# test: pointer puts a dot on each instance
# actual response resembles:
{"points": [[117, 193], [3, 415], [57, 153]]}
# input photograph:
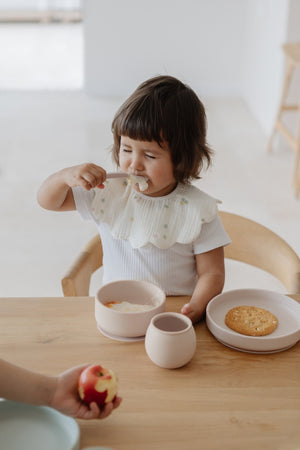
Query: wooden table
{"points": [[223, 399]]}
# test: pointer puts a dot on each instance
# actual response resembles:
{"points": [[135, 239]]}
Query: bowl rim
{"points": [[180, 316], [161, 301]]}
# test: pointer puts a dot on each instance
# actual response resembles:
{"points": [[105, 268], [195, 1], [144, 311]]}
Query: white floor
{"points": [[43, 131]]}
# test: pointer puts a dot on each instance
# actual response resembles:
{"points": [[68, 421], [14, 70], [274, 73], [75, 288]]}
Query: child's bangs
{"points": [[141, 125]]}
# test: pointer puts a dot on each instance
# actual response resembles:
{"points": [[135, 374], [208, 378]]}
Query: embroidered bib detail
{"points": [[161, 221]]}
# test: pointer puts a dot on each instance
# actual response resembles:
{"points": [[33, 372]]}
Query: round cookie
{"points": [[251, 320]]}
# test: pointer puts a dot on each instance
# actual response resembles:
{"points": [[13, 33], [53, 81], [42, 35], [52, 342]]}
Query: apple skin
{"points": [[97, 384]]}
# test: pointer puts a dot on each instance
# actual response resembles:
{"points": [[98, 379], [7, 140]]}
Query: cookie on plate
{"points": [[251, 320]]}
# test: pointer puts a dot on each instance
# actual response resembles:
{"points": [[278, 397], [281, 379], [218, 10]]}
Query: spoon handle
{"points": [[117, 175]]}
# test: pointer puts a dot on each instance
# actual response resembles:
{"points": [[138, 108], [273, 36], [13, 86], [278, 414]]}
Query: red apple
{"points": [[97, 384]]}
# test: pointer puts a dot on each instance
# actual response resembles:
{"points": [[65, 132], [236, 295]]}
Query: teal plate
{"points": [[25, 427]]}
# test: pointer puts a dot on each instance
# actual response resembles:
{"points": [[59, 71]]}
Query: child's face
{"points": [[148, 159]]}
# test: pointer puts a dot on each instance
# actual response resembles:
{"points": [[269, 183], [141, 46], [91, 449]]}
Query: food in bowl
{"points": [[128, 306]]}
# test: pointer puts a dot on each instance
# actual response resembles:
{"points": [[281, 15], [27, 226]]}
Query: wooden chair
{"points": [[292, 56], [252, 243]]}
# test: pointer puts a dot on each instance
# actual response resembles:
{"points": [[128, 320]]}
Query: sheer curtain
{"points": [[40, 5], [40, 11], [58, 4]]}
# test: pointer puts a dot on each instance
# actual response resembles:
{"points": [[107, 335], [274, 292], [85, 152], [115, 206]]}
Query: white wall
{"points": [[198, 41], [266, 30], [293, 35], [293, 32], [219, 47]]}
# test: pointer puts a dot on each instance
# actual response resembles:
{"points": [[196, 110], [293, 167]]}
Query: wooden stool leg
{"points": [[296, 181], [287, 79], [296, 177]]}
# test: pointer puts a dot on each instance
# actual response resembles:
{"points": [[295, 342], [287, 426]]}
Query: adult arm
{"points": [[59, 392]]}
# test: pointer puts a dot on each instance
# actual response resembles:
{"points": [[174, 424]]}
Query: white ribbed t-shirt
{"points": [[165, 255]]}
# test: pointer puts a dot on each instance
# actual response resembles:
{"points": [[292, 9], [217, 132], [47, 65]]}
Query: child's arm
{"points": [[19, 384], [56, 191], [211, 272]]}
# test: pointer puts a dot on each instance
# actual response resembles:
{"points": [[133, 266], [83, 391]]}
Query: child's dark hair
{"points": [[165, 109]]}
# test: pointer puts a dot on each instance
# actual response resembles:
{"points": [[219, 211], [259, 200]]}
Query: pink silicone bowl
{"points": [[128, 324]]}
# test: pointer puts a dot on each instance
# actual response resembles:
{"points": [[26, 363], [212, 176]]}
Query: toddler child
{"points": [[166, 230]]}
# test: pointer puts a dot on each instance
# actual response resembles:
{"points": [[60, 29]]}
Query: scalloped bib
{"points": [[161, 221]]}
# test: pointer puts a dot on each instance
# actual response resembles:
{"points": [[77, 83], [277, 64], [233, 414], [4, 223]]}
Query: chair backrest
{"points": [[76, 282], [252, 243]]}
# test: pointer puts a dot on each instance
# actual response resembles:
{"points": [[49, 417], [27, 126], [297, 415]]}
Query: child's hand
{"points": [[192, 311], [65, 397], [86, 175], [56, 194]]}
